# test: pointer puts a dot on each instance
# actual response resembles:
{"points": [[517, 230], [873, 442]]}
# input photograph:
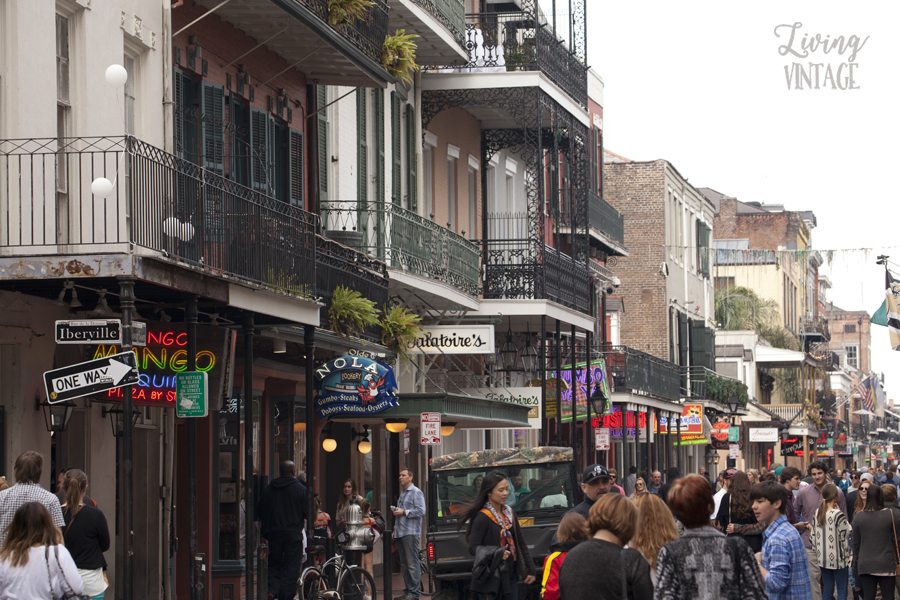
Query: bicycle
{"points": [[336, 580]]}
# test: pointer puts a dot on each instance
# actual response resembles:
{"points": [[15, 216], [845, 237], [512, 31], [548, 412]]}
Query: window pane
{"points": [[62, 58]]}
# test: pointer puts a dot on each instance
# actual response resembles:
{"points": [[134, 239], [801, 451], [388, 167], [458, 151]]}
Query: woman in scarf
{"points": [[492, 523]]}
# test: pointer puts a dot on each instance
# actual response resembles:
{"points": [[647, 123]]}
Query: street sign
{"points": [[431, 429], [734, 450], [84, 379], [601, 438], [734, 434], [191, 393], [98, 331]]}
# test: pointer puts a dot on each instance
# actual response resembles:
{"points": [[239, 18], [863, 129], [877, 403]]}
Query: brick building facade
{"points": [[851, 336]]}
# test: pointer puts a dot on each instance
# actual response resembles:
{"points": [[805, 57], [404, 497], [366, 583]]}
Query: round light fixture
{"points": [[116, 76], [101, 187], [364, 446], [329, 444], [395, 425], [447, 429], [298, 427]]}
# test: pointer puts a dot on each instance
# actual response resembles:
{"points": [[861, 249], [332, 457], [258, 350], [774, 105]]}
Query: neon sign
{"points": [[580, 389]]}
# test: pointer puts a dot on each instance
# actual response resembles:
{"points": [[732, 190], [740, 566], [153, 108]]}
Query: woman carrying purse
{"points": [[86, 535], [875, 547], [830, 540]]}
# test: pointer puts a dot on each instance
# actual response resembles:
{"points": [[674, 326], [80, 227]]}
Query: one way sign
{"points": [[90, 377]]}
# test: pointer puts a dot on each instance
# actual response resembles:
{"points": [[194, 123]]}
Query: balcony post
{"points": [[589, 442], [558, 390], [678, 453], [545, 425], [190, 318], [574, 426], [126, 291], [250, 495]]}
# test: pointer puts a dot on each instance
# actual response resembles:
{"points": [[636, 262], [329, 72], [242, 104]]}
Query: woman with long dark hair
{"points": [[348, 493], [34, 563], [86, 535], [490, 522], [735, 514], [874, 548], [830, 540]]}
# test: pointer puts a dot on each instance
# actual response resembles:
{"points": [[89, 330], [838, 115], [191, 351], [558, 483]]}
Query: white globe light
{"points": [[116, 76], [187, 232], [101, 187], [364, 447], [329, 444], [171, 227]]}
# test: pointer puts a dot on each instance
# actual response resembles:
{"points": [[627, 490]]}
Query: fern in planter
{"points": [[398, 55], [399, 329], [341, 12], [350, 313]]}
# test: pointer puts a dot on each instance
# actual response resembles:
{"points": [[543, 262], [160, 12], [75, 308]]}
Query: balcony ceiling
{"points": [[436, 44], [319, 51]]}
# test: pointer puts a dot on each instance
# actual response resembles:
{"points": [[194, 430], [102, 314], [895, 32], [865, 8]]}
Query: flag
{"points": [[892, 292], [867, 396], [879, 393], [880, 315]]}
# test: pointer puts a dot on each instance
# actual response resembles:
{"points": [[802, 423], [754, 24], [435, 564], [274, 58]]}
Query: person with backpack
{"points": [[86, 535], [572, 531]]}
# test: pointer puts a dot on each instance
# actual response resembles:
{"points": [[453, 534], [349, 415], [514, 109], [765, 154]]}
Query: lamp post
{"points": [[117, 419], [509, 354], [56, 416], [733, 406]]}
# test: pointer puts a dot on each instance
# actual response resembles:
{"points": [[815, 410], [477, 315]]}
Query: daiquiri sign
{"points": [[454, 339], [355, 384]]}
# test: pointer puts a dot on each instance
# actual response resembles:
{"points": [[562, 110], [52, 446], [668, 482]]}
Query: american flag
{"points": [[867, 397]]}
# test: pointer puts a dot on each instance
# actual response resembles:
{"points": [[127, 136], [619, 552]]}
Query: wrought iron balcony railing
{"points": [[405, 240], [517, 41], [157, 202], [701, 382], [337, 265], [815, 328], [366, 34], [605, 219], [518, 265], [640, 373], [450, 14]]}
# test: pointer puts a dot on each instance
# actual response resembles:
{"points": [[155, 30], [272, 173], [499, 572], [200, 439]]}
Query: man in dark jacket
{"points": [[671, 475], [282, 512], [595, 482]]}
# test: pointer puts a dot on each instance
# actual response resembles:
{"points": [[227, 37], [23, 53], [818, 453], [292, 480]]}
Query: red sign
{"points": [[431, 429]]}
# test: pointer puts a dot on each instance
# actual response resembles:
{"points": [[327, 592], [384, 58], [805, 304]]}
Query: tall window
{"points": [[129, 63], [472, 188], [428, 169], [852, 351], [63, 114], [451, 192]]}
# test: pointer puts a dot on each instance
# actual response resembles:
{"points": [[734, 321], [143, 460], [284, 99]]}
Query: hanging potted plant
{"points": [[400, 328], [341, 12], [398, 55], [350, 313]]}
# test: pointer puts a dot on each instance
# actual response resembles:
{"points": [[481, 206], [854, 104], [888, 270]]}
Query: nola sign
{"points": [[355, 385], [454, 339]]}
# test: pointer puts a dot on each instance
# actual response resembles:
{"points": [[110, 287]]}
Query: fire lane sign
{"points": [[431, 429], [84, 379]]}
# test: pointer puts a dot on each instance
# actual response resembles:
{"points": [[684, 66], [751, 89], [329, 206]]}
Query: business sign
{"points": [[792, 446], [430, 425], [601, 438], [692, 419], [164, 356], [621, 424], [763, 434], [454, 339], [355, 384], [105, 331], [734, 434], [526, 396], [578, 392], [694, 440], [91, 377], [191, 389], [734, 451]]}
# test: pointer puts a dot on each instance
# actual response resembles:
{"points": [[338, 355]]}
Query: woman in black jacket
{"points": [[86, 535], [491, 523]]}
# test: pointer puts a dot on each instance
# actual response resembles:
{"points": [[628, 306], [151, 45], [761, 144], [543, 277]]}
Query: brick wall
{"points": [[766, 231], [858, 334], [637, 190], [457, 127]]}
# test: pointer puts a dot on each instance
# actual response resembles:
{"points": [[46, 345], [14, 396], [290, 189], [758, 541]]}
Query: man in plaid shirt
{"points": [[28, 469], [783, 561]]}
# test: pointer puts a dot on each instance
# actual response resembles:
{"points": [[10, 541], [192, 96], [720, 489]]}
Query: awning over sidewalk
{"points": [[466, 411], [777, 357]]}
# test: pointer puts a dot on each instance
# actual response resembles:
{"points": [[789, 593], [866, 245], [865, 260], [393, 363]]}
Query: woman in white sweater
{"points": [[34, 564], [830, 541]]}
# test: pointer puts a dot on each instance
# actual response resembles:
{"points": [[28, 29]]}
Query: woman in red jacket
{"points": [[572, 531]]}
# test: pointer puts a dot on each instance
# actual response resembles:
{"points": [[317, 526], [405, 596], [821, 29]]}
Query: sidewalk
{"points": [[396, 589]]}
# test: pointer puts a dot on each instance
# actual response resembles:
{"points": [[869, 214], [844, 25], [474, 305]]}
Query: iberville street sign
{"points": [[84, 379]]}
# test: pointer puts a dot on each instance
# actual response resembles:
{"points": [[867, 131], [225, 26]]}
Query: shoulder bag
{"points": [[70, 595], [896, 546]]}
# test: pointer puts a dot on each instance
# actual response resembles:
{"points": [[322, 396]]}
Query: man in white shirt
{"points": [[28, 469], [726, 483]]}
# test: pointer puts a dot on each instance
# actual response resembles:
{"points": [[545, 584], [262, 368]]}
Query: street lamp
{"points": [[364, 446], [117, 419], [509, 354], [530, 358], [447, 428], [599, 401], [56, 416], [329, 444], [733, 404], [395, 425]]}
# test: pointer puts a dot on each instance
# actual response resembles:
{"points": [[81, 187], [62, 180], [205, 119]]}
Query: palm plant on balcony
{"points": [[398, 55], [400, 328], [341, 12], [350, 313]]}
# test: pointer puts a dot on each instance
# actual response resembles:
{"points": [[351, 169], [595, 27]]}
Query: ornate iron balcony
{"points": [[450, 14], [604, 218], [701, 382], [157, 201], [815, 328], [366, 34], [516, 41], [640, 373], [405, 240]]}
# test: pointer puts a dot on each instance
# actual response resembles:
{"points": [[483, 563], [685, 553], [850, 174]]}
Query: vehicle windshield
{"points": [[535, 490]]}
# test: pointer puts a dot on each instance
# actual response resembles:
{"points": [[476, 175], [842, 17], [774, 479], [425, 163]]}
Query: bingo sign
{"points": [[431, 429], [355, 385]]}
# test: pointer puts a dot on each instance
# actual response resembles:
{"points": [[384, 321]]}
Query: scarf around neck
{"points": [[505, 524]]}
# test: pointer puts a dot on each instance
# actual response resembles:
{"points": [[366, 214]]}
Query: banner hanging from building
{"points": [[578, 393], [355, 385], [454, 339]]}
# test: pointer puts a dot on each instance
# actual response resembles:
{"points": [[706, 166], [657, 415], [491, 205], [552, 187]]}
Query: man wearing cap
{"points": [[726, 483], [594, 483]]}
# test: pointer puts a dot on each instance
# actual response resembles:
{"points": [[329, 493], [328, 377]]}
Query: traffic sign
{"points": [[734, 450], [431, 429], [84, 379], [97, 331], [601, 438], [734, 434], [191, 393]]}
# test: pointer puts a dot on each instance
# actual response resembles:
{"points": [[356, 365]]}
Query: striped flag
{"points": [[867, 395], [892, 291]]}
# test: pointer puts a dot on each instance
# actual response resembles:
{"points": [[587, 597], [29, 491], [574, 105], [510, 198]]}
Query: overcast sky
{"points": [[703, 85]]}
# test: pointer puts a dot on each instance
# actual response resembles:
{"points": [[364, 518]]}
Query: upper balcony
{"points": [[606, 225], [640, 373], [702, 383], [409, 244], [159, 206], [815, 329], [502, 42], [440, 25]]}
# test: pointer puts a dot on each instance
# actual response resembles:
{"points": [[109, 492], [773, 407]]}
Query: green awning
{"points": [[465, 411]]}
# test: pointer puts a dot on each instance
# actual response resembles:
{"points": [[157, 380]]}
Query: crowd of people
{"points": [[746, 535]]}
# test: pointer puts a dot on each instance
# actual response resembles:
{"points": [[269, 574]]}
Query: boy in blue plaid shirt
{"points": [[782, 562]]}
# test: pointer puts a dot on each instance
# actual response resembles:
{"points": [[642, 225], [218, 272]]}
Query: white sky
{"points": [[702, 84]]}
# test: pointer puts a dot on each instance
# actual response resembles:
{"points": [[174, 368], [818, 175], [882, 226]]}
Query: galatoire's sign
{"points": [[355, 385], [91, 377], [454, 339]]}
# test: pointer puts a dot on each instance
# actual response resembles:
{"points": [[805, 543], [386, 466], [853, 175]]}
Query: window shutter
{"points": [[362, 157], [296, 168], [212, 129], [179, 113], [411, 158], [397, 176], [704, 231], [239, 141], [322, 142], [259, 148], [683, 340], [379, 143], [185, 119]]}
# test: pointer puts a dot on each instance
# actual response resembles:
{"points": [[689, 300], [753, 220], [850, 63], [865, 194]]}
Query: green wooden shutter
{"points": [[683, 340], [411, 157], [703, 232], [259, 150], [362, 153], [701, 351], [212, 128], [185, 120], [178, 80], [240, 148], [322, 141], [295, 141], [379, 173], [279, 147], [396, 174]]}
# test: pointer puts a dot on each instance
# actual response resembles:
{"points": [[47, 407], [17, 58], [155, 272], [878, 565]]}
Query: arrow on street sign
{"points": [[84, 379]]}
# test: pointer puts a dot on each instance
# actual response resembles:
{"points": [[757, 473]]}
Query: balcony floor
{"points": [[435, 44]]}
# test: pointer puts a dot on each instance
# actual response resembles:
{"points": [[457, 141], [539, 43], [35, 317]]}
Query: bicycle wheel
{"points": [[331, 570], [356, 583], [310, 584]]}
